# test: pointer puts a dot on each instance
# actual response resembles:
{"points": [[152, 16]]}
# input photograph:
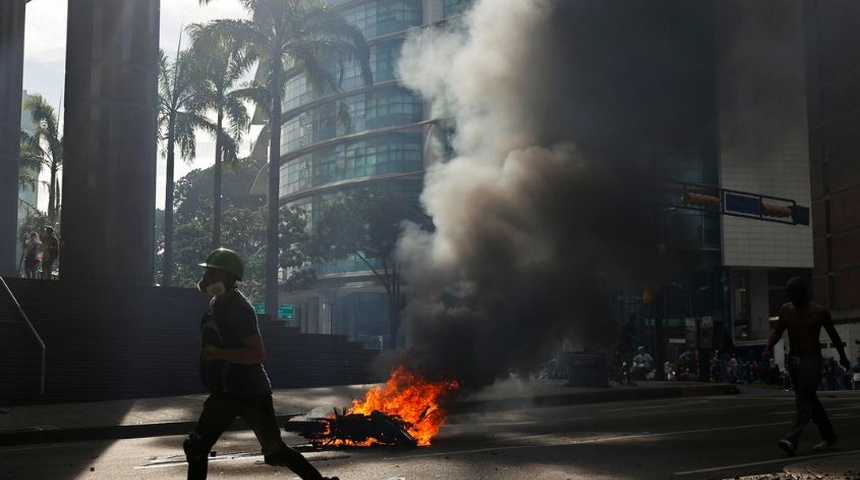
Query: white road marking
{"points": [[590, 440], [714, 408], [175, 460]]}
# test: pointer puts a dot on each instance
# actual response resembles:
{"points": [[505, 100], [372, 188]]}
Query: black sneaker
{"points": [[787, 446]]}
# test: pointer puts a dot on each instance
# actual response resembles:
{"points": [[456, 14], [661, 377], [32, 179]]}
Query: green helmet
{"points": [[227, 260]]}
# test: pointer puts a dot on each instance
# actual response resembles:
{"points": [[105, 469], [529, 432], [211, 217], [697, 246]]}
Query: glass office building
{"points": [[384, 144]]}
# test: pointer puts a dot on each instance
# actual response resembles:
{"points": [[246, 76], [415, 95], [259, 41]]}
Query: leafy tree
{"points": [[46, 144], [221, 64], [366, 224], [287, 38], [244, 229], [178, 116]]}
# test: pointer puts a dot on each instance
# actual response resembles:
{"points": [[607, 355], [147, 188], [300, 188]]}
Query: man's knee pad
{"points": [[196, 450]]}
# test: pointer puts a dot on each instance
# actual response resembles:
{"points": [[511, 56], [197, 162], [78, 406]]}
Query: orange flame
{"points": [[414, 400]]}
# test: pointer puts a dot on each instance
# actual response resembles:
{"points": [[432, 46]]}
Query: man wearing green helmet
{"points": [[231, 366]]}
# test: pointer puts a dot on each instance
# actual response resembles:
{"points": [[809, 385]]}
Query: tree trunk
{"points": [[272, 244], [52, 196], [394, 306], [167, 257], [218, 173]]}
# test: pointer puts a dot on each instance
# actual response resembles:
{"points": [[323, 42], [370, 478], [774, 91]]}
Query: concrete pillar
{"points": [[11, 78], [759, 304], [108, 219]]}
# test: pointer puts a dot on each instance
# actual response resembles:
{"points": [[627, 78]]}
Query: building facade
{"points": [[762, 138], [746, 65], [385, 144], [787, 90], [833, 94]]}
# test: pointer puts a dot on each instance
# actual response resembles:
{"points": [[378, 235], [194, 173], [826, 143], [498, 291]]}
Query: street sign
{"points": [[259, 307], [739, 203], [286, 312]]}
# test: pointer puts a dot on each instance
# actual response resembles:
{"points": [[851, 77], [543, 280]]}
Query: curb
{"points": [[51, 434], [596, 396]]}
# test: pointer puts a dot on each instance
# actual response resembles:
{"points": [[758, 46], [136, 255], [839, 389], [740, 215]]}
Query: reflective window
{"points": [[382, 17], [383, 66], [390, 153], [371, 110], [454, 7]]}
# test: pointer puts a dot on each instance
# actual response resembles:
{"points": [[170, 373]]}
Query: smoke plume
{"points": [[561, 112]]}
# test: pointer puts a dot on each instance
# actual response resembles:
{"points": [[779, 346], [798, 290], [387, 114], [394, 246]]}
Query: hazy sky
{"points": [[45, 53]]}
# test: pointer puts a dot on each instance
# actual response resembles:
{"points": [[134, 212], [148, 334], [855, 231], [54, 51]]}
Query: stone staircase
{"points": [[107, 342]]}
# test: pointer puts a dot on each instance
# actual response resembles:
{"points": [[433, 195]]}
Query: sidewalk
{"points": [[837, 466], [176, 415], [164, 416]]}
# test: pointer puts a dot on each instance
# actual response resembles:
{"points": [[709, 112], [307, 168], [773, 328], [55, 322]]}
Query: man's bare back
{"points": [[804, 319], [804, 327]]}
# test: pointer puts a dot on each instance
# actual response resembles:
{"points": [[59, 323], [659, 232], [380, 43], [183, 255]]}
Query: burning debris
{"points": [[354, 429], [404, 412]]}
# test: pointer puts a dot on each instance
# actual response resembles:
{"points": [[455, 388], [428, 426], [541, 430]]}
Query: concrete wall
{"points": [[109, 341]]}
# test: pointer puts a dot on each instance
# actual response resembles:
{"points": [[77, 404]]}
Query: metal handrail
{"points": [[32, 329]]}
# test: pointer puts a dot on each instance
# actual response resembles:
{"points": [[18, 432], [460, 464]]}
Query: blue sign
{"points": [[743, 204], [259, 307]]}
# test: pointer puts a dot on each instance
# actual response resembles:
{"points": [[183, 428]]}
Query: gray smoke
{"points": [[563, 112]]}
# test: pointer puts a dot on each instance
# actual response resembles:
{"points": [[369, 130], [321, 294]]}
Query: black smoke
{"points": [[569, 117]]}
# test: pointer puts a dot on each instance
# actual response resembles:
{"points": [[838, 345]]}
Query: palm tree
{"points": [[30, 165], [46, 144], [221, 65], [289, 38], [178, 116], [30, 161]]}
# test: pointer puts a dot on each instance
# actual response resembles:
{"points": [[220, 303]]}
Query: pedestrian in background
{"points": [[231, 366], [33, 252], [804, 319], [52, 251], [855, 377]]}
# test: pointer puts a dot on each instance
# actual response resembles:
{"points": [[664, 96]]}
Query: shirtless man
{"points": [[803, 319]]}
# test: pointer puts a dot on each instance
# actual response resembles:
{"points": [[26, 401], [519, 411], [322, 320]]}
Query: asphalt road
{"points": [[718, 437]]}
